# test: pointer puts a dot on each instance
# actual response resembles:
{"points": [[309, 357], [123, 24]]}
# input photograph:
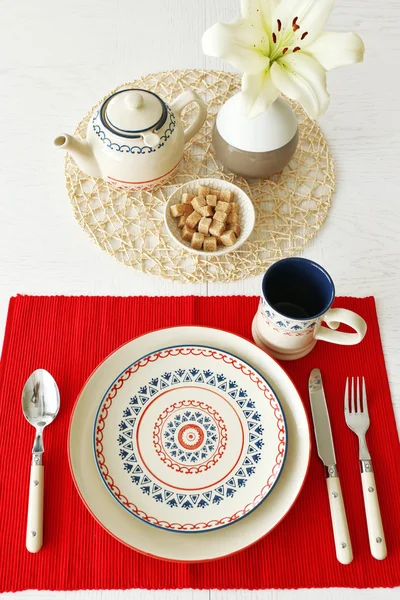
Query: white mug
{"points": [[296, 299]]}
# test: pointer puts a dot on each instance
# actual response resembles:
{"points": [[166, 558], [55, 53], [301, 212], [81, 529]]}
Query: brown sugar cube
{"points": [[226, 195], [216, 228], [212, 200], [236, 229], [177, 210], [193, 219], [228, 238], [204, 191], [223, 207], [233, 219], [210, 244], [187, 209], [198, 202], [181, 222], [234, 207], [204, 225], [206, 211], [187, 198], [187, 233], [197, 240], [220, 216]]}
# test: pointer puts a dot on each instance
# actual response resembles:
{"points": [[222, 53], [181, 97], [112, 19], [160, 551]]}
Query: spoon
{"points": [[40, 405]]}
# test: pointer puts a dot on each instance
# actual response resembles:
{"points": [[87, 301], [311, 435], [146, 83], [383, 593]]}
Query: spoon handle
{"points": [[34, 528]]}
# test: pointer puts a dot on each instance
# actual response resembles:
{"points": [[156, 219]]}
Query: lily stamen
{"points": [[279, 24], [304, 35], [296, 49], [274, 37]]}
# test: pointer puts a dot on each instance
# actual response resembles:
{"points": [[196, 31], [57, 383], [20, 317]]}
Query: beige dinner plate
{"points": [[159, 542]]}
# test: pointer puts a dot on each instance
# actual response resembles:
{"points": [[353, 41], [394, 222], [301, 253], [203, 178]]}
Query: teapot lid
{"points": [[132, 111]]}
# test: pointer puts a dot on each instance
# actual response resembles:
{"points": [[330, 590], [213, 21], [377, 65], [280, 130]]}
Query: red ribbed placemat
{"points": [[69, 336]]}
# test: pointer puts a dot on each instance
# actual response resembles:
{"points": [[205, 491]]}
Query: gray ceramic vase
{"points": [[259, 147]]}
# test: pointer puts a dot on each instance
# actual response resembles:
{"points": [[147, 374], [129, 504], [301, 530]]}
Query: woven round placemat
{"points": [[290, 208]]}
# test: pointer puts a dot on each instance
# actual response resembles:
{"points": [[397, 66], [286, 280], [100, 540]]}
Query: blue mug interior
{"points": [[298, 288]]}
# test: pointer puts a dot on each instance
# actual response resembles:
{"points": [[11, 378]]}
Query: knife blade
{"points": [[326, 452]]}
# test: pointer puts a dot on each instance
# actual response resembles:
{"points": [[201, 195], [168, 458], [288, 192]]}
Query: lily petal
{"points": [[260, 9], [302, 78], [241, 43], [312, 16], [334, 50], [258, 93]]}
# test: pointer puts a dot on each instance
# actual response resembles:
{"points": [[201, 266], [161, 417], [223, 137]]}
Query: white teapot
{"points": [[135, 140]]}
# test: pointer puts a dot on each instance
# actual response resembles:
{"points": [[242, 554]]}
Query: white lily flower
{"points": [[281, 48]]}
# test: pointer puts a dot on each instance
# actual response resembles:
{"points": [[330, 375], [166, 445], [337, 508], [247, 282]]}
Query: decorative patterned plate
{"points": [[189, 438], [156, 541]]}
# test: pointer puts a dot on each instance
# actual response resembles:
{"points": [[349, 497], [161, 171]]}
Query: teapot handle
{"points": [[179, 104]]}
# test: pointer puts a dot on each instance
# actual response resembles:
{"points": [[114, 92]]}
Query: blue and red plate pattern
{"points": [[190, 439]]}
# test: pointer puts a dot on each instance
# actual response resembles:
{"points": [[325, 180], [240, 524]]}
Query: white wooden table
{"points": [[58, 58]]}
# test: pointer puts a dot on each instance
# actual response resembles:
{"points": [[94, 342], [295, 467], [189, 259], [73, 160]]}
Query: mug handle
{"points": [[179, 104], [333, 318]]}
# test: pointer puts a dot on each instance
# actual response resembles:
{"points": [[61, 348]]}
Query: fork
{"points": [[357, 419]]}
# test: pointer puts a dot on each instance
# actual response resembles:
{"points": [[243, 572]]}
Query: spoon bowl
{"points": [[40, 399]]}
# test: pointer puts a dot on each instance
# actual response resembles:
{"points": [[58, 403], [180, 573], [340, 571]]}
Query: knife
{"points": [[326, 452]]}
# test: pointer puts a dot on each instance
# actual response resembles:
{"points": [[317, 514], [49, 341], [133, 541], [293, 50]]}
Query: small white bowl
{"points": [[246, 213]]}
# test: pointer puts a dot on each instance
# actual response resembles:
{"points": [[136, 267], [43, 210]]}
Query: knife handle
{"points": [[34, 527], [376, 535], [344, 552]]}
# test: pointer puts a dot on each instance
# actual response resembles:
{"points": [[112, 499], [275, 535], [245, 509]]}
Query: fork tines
{"points": [[357, 403]]}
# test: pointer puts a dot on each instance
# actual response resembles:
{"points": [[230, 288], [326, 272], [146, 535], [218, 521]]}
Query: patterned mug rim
{"points": [[298, 259]]}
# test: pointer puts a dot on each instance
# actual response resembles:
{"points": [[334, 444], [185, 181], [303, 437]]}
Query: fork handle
{"points": [[344, 551], [376, 535]]}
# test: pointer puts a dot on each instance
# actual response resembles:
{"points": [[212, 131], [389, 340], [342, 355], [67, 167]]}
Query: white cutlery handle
{"points": [[34, 527], [344, 552], [376, 536]]}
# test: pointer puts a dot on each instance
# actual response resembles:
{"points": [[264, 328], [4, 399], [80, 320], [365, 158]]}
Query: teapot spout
{"points": [[81, 152]]}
